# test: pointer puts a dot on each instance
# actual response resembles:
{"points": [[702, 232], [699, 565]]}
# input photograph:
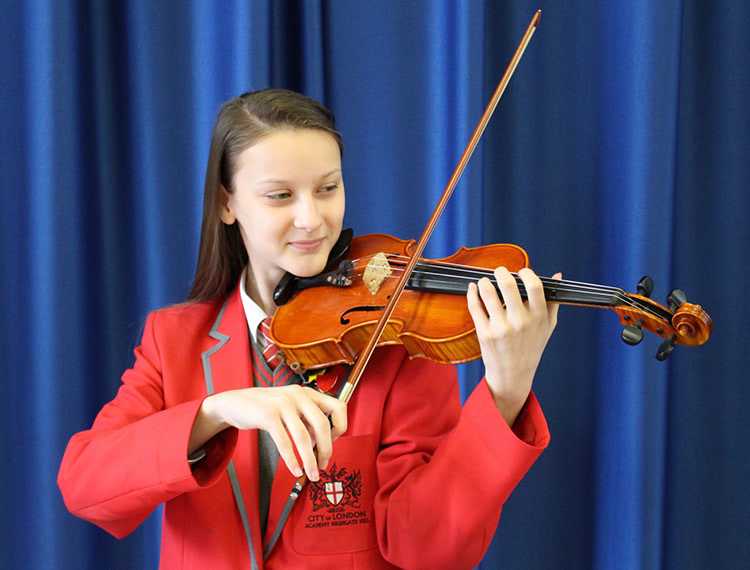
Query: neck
{"points": [[261, 296], [446, 278]]}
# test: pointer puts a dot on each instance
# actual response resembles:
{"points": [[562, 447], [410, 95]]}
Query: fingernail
{"points": [[314, 475], [297, 472]]}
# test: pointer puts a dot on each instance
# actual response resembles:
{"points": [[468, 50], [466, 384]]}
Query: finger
{"points": [[476, 308], [335, 409], [303, 442], [553, 308], [319, 430], [491, 298], [321, 413], [508, 286], [286, 449], [534, 291]]}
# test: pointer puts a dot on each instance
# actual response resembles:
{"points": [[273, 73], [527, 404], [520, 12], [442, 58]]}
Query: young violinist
{"points": [[402, 476]]}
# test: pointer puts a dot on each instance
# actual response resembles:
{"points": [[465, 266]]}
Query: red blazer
{"points": [[416, 482]]}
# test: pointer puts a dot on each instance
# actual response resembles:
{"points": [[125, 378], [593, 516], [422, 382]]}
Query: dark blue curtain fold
{"points": [[620, 149]]}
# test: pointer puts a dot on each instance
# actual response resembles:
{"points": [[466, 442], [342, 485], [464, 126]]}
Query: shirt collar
{"points": [[253, 313]]}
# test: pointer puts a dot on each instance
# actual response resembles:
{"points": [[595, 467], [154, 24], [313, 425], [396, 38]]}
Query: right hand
{"points": [[294, 416]]}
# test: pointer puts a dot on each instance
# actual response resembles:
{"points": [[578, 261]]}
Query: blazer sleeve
{"points": [[446, 471], [134, 457]]}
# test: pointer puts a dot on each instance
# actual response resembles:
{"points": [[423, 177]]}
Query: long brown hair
{"points": [[241, 123]]}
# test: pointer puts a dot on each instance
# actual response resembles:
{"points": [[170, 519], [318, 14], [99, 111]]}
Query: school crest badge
{"points": [[336, 488]]}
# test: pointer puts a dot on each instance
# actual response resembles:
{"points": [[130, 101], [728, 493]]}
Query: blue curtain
{"points": [[621, 148]]}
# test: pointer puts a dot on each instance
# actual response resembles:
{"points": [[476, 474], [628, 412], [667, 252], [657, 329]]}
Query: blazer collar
{"points": [[226, 361]]}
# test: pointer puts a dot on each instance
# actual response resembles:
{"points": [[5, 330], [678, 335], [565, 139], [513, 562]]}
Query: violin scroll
{"points": [[692, 325], [679, 323]]}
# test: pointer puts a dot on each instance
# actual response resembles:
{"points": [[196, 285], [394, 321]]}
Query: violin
{"points": [[327, 319]]}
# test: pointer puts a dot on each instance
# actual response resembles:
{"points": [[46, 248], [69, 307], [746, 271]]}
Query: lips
{"points": [[307, 245]]}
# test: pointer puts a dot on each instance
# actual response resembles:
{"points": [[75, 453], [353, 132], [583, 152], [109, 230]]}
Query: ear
{"points": [[227, 212]]}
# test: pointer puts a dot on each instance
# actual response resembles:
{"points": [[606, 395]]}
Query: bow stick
{"points": [[364, 357]]}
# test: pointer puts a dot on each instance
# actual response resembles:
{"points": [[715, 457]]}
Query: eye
{"points": [[328, 188], [279, 195]]}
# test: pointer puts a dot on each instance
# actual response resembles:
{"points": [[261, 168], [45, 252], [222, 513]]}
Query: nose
{"points": [[307, 215]]}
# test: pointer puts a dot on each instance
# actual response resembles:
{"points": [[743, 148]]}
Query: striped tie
{"points": [[271, 351]]}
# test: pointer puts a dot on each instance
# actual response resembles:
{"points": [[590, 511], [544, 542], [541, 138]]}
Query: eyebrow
{"points": [[282, 181]]}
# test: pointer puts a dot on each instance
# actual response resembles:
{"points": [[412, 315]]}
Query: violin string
{"points": [[478, 273], [602, 293]]}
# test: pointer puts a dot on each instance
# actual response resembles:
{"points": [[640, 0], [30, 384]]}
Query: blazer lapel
{"points": [[227, 366], [226, 360], [283, 484]]}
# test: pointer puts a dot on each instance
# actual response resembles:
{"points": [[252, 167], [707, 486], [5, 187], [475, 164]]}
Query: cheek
{"points": [[336, 212], [257, 231]]}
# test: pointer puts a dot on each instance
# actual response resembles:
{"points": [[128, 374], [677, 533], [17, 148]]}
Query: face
{"points": [[289, 204]]}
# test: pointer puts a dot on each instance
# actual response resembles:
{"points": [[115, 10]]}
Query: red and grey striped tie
{"points": [[271, 351]]}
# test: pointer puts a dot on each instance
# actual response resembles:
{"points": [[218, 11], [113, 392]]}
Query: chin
{"points": [[308, 269]]}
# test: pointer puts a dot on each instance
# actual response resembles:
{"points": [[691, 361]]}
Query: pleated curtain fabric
{"points": [[620, 149]]}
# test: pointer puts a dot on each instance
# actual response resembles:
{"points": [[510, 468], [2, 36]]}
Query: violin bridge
{"points": [[377, 271]]}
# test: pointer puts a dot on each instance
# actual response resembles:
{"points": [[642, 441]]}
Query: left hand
{"points": [[512, 335]]}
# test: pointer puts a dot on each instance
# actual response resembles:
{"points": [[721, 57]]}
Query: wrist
{"points": [[207, 424], [509, 405]]}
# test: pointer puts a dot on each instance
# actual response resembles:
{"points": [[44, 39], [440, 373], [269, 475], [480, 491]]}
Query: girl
{"points": [[403, 476]]}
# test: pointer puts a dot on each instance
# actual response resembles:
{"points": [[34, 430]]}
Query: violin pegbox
{"points": [[633, 334], [679, 323]]}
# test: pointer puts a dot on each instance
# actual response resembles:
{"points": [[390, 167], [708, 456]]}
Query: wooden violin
{"points": [[327, 319]]}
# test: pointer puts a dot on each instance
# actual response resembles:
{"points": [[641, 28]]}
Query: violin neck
{"points": [[439, 278]]}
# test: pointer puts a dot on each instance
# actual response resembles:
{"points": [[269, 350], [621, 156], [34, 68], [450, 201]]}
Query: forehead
{"points": [[288, 149]]}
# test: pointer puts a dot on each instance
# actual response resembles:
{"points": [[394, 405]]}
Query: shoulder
{"points": [[184, 320], [189, 313]]}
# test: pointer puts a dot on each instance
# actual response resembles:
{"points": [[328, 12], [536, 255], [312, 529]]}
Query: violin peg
{"points": [[633, 334], [645, 286], [676, 298], [666, 348]]}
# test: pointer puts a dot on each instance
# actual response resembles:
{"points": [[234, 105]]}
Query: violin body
{"points": [[323, 326], [331, 321]]}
